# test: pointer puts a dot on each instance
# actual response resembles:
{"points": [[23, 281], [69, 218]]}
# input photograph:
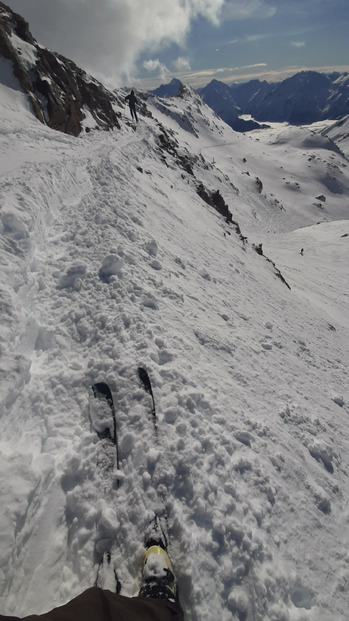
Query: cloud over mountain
{"points": [[107, 38]]}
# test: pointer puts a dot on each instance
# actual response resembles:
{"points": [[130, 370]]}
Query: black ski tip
{"points": [[102, 389], [145, 379]]}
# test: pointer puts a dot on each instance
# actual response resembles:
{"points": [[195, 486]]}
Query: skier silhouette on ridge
{"points": [[132, 101]]}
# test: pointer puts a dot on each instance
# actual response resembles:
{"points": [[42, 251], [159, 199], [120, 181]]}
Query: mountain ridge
{"points": [[57, 89], [148, 245], [302, 99]]}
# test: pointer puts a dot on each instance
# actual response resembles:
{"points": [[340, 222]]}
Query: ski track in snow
{"points": [[110, 261]]}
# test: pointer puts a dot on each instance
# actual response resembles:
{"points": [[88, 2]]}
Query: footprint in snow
{"points": [[266, 346], [156, 265]]}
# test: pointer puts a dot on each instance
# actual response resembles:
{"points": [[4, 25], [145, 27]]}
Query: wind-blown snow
{"points": [[110, 261]]}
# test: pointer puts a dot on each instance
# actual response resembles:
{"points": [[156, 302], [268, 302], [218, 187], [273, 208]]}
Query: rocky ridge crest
{"points": [[61, 94]]}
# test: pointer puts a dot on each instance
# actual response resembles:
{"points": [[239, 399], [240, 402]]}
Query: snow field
{"points": [[112, 261]]}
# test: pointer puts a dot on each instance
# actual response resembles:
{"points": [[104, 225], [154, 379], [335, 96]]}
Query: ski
{"points": [[157, 531], [146, 383], [107, 577], [103, 421]]}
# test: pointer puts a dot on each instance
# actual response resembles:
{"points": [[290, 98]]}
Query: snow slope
{"points": [[339, 132], [110, 261]]}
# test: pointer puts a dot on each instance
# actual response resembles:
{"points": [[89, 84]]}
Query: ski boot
{"points": [[158, 577]]}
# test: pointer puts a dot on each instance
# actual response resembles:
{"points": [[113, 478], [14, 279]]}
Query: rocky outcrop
{"points": [[61, 94]]}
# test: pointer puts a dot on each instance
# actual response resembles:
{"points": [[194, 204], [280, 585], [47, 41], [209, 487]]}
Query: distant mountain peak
{"points": [[303, 98], [173, 89]]}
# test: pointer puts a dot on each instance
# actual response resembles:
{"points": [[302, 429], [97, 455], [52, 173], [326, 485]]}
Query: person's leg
{"points": [[98, 605], [134, 113]]}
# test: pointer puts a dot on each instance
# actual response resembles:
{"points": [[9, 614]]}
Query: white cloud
{"points": [[245, 9], [298, 43], [256, 37], [156, 67], [107, 37], [181, 64], [232, 41], [247, 39]]}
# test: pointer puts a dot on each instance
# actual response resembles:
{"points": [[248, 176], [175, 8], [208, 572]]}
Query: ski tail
{"points": [[107, 577]]}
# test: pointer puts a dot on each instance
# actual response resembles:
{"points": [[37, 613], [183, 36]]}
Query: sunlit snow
{"points": [[110, 260]]}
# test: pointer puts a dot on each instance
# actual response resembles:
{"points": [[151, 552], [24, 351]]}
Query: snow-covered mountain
{"points": [[305, 98], [230, 103], [175, 245], [250, 94], [219, 97], [60, 94], [339, 133], [169, 90]]}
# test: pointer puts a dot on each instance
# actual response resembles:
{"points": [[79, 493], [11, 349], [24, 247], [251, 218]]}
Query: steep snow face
{"points": [[25, 50], [220, 97], [339, 133], [111, 261]]}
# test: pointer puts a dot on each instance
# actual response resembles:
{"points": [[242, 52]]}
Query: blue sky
{"points": [[147, 42], [291, 36]]}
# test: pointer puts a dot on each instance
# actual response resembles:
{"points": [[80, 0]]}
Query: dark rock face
{"points": [[299, 100], [216, 200], [220, 98], [169, 90], [58, 90]]}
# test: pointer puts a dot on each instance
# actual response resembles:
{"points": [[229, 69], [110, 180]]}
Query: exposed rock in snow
{"points": [[57, 89], [112, 260]]}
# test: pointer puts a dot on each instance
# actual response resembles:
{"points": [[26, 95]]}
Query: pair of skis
{"points": [[104, 422], [102, 411]]}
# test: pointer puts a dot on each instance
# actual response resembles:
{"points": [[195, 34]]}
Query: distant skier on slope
{"points": [[157, 599], [132, 101]]}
